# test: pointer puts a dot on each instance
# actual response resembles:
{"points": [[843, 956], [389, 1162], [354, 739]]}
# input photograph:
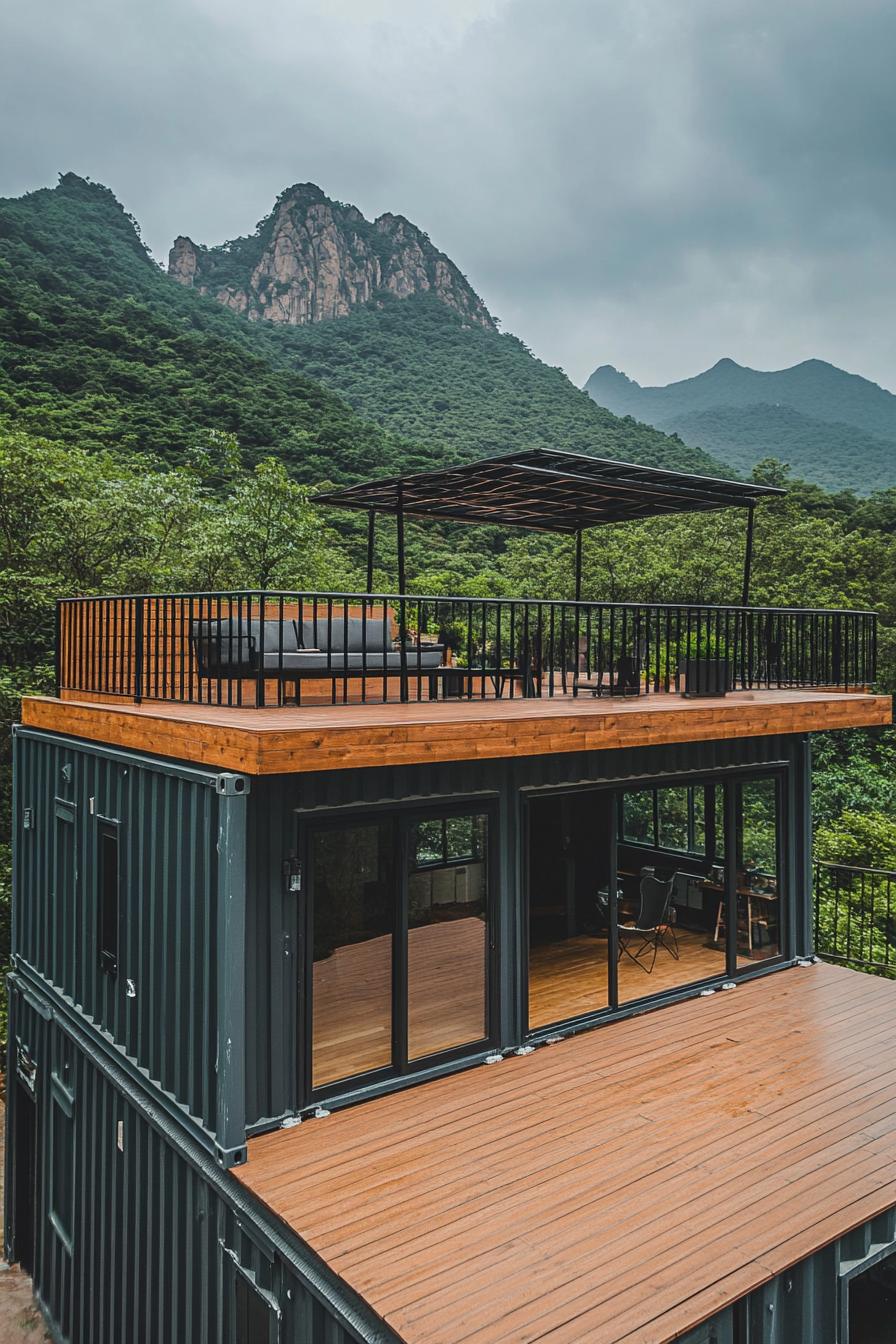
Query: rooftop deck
{"points": [[292, 739], [618, 1187]]}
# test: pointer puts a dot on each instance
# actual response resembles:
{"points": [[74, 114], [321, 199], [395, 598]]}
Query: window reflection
{"points": [[675, 812], [447, 934], [353, 876], [759, 895], [569, 905]]}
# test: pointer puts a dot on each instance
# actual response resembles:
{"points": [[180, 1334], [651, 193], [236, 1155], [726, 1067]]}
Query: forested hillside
{"points": [[99, 348], [374, 311], [416, 367], [835, 455], [834, 428]]}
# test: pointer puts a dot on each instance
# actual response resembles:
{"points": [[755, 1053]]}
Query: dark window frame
{"points": [[244, 1279], [108, 829], [729, 777], [61, 1202], [711, 828], [243, 1285], [446, 859], [404, 817]]}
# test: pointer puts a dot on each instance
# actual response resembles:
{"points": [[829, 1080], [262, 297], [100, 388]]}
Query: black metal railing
{"points": [[855, 916], [255, 648]]}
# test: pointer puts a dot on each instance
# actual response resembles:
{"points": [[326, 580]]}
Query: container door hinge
{"points": [[292, 874]]}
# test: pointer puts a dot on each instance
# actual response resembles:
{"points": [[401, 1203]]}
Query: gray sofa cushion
{"points": [[339, 661], [231, 646], [341, 633], [279, 634], [223, 644], [233, 641]]}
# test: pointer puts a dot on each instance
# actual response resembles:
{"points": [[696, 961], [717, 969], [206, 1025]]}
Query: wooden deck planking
{"points": [[288, 740], [620, 1186]]}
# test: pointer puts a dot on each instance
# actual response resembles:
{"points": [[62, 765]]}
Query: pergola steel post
{"points": [[402, 615], [748, 556], [741, 627], [579, 565], [371, 542]]}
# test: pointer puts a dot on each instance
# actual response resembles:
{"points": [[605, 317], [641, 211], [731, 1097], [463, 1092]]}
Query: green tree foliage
{"points": [[804, 555], [98, 348], [416, 367], [75, 522], [855, 915]]}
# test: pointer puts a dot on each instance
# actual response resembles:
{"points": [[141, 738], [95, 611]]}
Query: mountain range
{"points": [[100, 348], [350, 348], [834, 428], [377, 313]]}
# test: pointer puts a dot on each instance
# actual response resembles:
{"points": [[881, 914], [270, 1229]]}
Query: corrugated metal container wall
{"points": [[810, 1303], [278, 802], [139, 1238], [159, 1004]]}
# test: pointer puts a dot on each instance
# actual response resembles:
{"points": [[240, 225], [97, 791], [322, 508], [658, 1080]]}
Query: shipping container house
{"points": [[430, 969]]}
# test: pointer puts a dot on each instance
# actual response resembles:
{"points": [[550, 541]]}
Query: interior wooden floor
{"points": [[352, 1019], [569, 979], [617, 1188], [338, 737]]}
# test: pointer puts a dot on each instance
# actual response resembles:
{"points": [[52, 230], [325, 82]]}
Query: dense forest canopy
{"points": [[833, 454], [416, 367], [833, 427]]}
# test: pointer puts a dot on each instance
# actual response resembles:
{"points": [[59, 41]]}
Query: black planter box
{"points": [[705, 676]]}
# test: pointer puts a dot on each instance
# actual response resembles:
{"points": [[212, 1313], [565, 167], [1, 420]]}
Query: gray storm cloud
{"points": [[652, 185]]}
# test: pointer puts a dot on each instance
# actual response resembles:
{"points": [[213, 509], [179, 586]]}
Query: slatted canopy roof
{"points": [[547, 489]]}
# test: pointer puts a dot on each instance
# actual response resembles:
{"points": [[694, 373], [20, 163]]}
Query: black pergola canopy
{"points": [[546, 489]]}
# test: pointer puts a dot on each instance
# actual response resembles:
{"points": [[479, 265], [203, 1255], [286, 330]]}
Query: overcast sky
{"points": [[648, 183]]}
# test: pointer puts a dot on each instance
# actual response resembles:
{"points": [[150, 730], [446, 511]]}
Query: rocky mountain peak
{"points": [[314, 258]]}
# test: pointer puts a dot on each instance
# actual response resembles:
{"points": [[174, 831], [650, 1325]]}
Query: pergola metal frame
{"points": [[546, 490]]}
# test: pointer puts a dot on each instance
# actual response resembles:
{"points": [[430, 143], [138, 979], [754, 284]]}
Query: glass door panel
{"points": [[759, 894], [447, 950], [353, 887], [672, 887], [568, 900]]}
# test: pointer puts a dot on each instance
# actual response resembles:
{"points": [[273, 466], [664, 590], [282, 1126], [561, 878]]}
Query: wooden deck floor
{"points": [[338, 737], [618, 1187]]}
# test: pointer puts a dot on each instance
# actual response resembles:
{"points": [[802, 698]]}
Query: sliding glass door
{"points": [[447, 940], [398, 946], [353, 875], [642, 891], [570, 857]]}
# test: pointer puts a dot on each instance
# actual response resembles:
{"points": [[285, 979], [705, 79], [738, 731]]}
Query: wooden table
{"points": [[748, 895], [457, 682]]}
